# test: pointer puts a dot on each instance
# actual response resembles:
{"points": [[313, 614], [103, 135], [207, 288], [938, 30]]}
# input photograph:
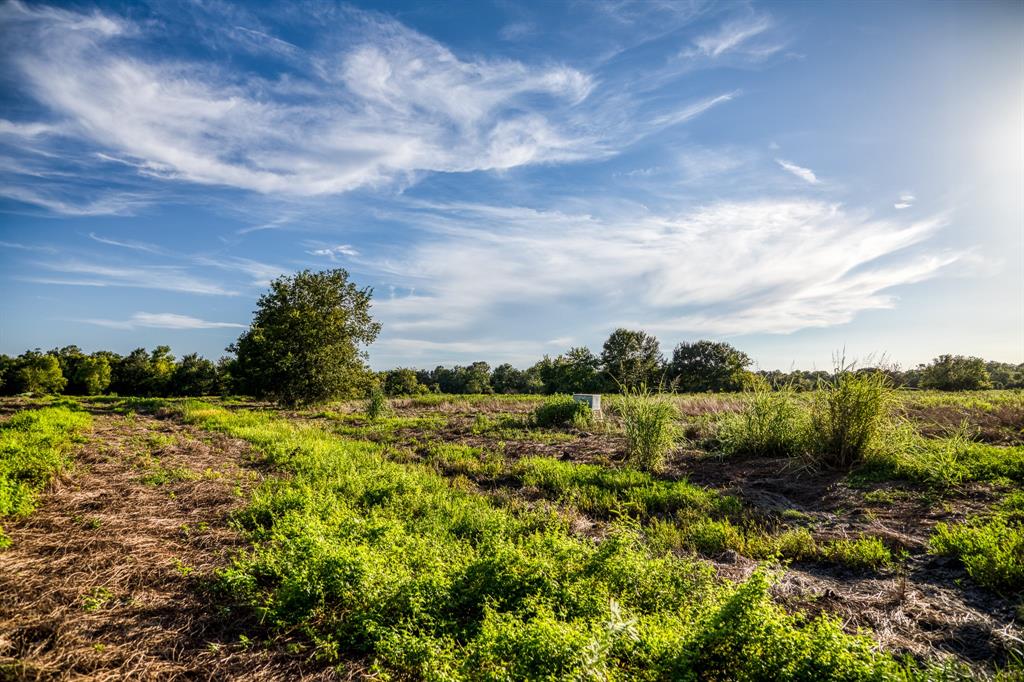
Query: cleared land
{"points": [[452, 538]]}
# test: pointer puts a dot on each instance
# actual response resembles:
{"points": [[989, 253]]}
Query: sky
{"points": [[513, 179]]}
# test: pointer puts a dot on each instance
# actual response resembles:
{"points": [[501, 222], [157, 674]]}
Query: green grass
{"points": [[848, 416], [864, 553], [991, 549], [942, 462], [649, 420], [34, 446], [562, 410], [773, 423], [390, 563]]}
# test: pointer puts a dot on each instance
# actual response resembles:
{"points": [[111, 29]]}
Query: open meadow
{"points": [[510, 537]]}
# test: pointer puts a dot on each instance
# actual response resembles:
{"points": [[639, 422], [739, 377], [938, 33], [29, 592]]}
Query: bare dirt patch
{"points": [[109, 578]]}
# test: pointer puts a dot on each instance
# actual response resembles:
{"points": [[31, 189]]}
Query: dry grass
{"points": [[107, 579]]}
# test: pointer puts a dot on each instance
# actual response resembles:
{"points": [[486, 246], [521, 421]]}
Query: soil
{"points": [[108, 578]]}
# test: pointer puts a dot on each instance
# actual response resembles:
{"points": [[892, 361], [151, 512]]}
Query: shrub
{"points": [[650, 423], [955, 373], [992, 551], [847, 415], [377, 405], [562, 410], [771, 424]]}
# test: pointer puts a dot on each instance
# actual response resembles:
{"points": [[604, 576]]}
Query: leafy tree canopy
{"points": [[304, 345], [707, 366]]}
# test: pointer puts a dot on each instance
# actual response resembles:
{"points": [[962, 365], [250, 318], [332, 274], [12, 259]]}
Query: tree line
{"points": [[307, 344]]}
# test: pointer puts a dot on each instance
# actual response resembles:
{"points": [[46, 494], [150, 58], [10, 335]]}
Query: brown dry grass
{"points": [[107, 579]]}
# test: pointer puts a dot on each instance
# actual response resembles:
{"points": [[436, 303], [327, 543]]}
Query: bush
{"points": [[992, 551], [377, 405], [848, 414], [955, 373], [562, 410], [650, 423], [771, 424]]}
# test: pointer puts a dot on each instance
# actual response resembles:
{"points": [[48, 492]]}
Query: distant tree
{"points": [[7, 365], [707, 366], [37, 372], [477, 378], [226, 383], [193, 376], [576, 371], [507, 379], [1005, 374], [631, 358], [161, 363], [92, 375], [304, 343], [402, 381], [955, 373], [133, 374]]}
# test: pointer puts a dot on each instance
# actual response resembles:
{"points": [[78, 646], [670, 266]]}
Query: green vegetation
{"points": [[562, 410], [942, 463], [863, 553], [304, 343], [991, 549], [371, 558], [848, 415], [708, 366], [377, 405], [772, 423], [955, 373], [34, 447], [649, 420]]}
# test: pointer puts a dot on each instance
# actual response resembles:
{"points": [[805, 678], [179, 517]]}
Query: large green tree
{"points": [[707, 366], [631, 359], [37, 372], [955, 373], [304, 344]]}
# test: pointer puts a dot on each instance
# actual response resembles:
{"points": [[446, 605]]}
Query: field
{"points": [[452, 537]]}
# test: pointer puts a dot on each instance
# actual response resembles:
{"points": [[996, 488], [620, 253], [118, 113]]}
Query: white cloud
{"points": [[805, 174], [334, 252], [732, 267], [133, 245], [735, 35], [162, 321], [376, 103], [906, 200], [161, 277]]}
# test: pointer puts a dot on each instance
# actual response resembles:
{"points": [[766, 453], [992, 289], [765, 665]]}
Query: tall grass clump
{"points": [[649, 420], [562, 410], [391, 565], [848, 414], [772, 423], [34, 447], [377, 405]]}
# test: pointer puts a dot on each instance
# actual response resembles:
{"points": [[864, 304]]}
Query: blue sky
{"points": [[514, 178]]}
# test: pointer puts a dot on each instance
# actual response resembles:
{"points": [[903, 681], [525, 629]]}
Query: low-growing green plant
{"points": [[772, 423], [34, 447], [649, 420], [391, 563], [848, 414], [864, 553], [562, 410], [991, 549]]}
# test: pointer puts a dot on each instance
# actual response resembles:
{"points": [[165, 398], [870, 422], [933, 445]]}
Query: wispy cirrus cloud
{"points": [[805, 174], [769, 266], [375, 103], [334, 252], [125, 244], [161, 277], [162, 321]]}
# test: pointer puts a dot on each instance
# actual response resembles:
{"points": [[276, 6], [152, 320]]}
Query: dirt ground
{"points": [[106, 579]]}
